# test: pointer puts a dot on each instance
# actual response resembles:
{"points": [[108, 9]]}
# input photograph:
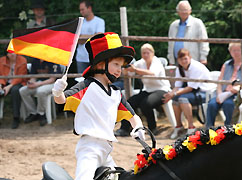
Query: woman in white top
{"points": [[182, 95], [151, 95]]}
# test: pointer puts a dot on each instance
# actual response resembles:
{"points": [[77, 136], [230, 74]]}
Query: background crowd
{"points": [[191, 59]]}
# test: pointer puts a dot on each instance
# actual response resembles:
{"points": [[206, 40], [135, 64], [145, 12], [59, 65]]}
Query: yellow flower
{"points": [[212, 135], [136, 169], [190, 145], [166, 151], [238, 129]]}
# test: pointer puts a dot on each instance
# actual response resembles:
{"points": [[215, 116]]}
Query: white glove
{"points": [[59, 86], [140, 133]]}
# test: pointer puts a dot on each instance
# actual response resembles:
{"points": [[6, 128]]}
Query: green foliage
{"points": [[222, 18]]}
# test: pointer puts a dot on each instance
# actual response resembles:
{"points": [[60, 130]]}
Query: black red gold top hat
{"points": [[107, 45]]}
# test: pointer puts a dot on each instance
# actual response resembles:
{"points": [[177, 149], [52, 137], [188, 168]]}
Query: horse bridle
{"points": [[148, 150]]}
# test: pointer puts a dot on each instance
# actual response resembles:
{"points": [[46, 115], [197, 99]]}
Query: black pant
{"points": [[146, 102], [16, 100]]}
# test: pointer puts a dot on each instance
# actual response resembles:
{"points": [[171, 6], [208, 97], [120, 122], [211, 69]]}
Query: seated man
{"points": [[39, 88], [231, 70]]}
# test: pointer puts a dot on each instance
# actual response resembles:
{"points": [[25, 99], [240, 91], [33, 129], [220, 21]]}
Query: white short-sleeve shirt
{"points": [[96, 25], [196, 70], [157, 68]]}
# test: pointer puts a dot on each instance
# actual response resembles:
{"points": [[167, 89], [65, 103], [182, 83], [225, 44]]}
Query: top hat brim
{"points": [[123, 51], [126, 52]]}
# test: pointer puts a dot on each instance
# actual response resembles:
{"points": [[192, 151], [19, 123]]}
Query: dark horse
{"points": [[207, 154]]}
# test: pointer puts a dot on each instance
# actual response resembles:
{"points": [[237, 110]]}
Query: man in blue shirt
{"points": [[191, 28], [91, 25]]}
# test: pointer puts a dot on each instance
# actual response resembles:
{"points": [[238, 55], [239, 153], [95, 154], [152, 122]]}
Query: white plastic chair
{"points": [[50, 110], [210, 94], [1, 107], [169, 112], [163, 61], [240, 109]]}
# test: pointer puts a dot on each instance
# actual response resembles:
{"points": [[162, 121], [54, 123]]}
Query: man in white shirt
{"points": [[91, 25]]}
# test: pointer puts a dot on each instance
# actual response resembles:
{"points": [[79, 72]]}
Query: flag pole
{"points": [[77, 34]]}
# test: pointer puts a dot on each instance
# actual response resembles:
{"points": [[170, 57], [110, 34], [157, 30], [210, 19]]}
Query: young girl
{"points": [[97, 104], [182, 94]]}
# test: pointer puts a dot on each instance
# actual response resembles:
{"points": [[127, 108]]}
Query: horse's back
{"points": [[222, 161]]}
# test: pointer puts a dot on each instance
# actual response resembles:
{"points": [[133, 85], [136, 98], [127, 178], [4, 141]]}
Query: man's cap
{"points": [[107, 45], [37, 4]]}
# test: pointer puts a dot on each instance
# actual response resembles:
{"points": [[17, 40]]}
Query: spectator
{"points": [[40, 20], [231, 70], [13, 64], [91, 25], [183, 94], [39, 88], [152, 94], [187, 27], [98, 105]]}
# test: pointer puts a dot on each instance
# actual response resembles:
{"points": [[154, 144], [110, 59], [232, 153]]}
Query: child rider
{"points": [[97, 104]]}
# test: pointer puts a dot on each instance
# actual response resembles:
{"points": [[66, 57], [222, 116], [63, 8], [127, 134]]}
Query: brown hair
{"points": [[183, 52], [87, 3]]}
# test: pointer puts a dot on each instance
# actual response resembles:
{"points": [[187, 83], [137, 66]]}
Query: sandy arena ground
{"points": [[22, 151]]}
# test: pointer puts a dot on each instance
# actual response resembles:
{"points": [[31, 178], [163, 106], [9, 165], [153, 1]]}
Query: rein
{"points": [[148, 150]]}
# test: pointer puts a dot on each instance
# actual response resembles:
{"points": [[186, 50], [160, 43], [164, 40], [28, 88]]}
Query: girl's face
{"points": [[235, 52], [184, 61], [115, 66], [147, 54]]}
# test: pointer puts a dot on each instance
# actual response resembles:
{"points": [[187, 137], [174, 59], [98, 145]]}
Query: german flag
{"points": [[123, 113], [72, 102], [55, 43]]}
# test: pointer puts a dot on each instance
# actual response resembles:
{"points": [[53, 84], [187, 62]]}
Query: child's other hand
{"points": [[140, 133]]}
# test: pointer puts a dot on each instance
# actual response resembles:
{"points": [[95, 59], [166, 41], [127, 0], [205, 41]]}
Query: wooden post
{"points": [[124, 32], [241, 50]]}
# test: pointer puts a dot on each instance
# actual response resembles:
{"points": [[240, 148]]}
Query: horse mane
{"points": [[202, 142]]}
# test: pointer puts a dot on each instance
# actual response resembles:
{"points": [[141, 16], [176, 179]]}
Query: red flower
{"points": [[141, 161], [172, 153], [220, 135], [151, 155], [195, 139]]}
